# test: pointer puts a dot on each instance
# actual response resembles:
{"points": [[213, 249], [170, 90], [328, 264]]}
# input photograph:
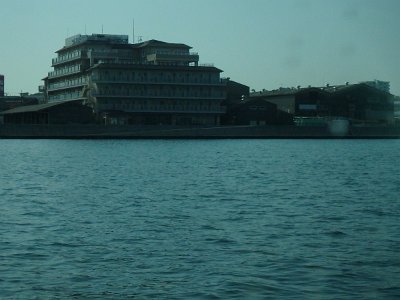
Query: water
{"points": [[221, 219]]}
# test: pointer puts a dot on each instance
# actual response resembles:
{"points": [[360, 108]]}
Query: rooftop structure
{"points": [[148, 82], [379, 84], [111, 38]]}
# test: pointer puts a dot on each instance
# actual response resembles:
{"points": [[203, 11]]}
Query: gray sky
{"points": [[261, 43]]}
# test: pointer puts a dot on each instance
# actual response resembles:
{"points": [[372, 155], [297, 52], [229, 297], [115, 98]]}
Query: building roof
{"points": [[36, 107], [156, 43], [325, 89], [11, 98], [349, 87], [95, 38]]}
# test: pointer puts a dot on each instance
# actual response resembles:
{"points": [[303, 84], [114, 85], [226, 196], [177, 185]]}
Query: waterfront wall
{"points": [[278, 131]]}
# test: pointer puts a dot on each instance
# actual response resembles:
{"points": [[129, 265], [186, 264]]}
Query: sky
{"points": [[265, 44]]}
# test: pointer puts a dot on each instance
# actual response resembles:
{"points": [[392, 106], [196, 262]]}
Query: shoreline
{"points": [[176, 132]]}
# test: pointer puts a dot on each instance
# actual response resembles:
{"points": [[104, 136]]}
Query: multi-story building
{"points": [[152, 82]]}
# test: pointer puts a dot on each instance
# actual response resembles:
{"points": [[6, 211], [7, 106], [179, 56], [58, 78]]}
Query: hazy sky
{"points": [[261, 43]]}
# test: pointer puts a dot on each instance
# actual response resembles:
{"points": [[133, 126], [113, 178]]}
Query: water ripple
{"points": [[258, 219]]}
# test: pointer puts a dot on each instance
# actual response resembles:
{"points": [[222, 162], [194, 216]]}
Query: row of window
{"points": [[178, 93], [207, 103], [170, 77], [146, 107]]}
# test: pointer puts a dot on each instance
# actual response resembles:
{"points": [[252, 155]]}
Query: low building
{"points": [[10, 102], [283, 98], [258, 112], [361, 103], [356, 102], [65, 112], [236, 93]]}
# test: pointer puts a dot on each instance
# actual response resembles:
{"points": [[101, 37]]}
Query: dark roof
{"points": [[11, 98], [157, 43], [255, 101], [36, 107], [325, 89], [295, 91], [151, 43], [93, 42], [349, 87]]}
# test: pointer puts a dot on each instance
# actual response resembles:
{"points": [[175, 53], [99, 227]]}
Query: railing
{"points": [[173, 57], [162, 81], [159, 96], [167, 109], [206, 65], [110, 54], [67, 58], [60, 86], [65, 71], [64, 97], [172, 53]]}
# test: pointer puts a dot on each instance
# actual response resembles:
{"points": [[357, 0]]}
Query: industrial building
{"points": [[152, 82], [361, 102], [257, 112]]}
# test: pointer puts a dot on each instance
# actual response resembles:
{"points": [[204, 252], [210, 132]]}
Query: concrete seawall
{"points": [[174, 132]]}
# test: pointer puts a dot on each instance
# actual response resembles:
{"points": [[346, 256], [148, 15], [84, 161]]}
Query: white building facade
{"points": [[152, 82]]}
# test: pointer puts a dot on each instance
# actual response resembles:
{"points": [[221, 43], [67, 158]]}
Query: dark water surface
{"points": [[220, 219]]}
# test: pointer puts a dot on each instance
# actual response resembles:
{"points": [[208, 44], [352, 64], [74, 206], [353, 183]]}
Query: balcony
{"points": [[67, 58], [65, 71], [110, 54], [65, 97], [64, 86], [192, 57], [162, 81], [139, 95]]}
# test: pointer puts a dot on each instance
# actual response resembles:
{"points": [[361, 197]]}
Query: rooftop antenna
{"points": [[101, 28], [133, 31], [85, 29]]}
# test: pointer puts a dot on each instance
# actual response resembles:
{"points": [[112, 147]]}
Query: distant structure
{"points": [[378, 84], [1, 85], [359, 103], [151, 82], [397, 108]]}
